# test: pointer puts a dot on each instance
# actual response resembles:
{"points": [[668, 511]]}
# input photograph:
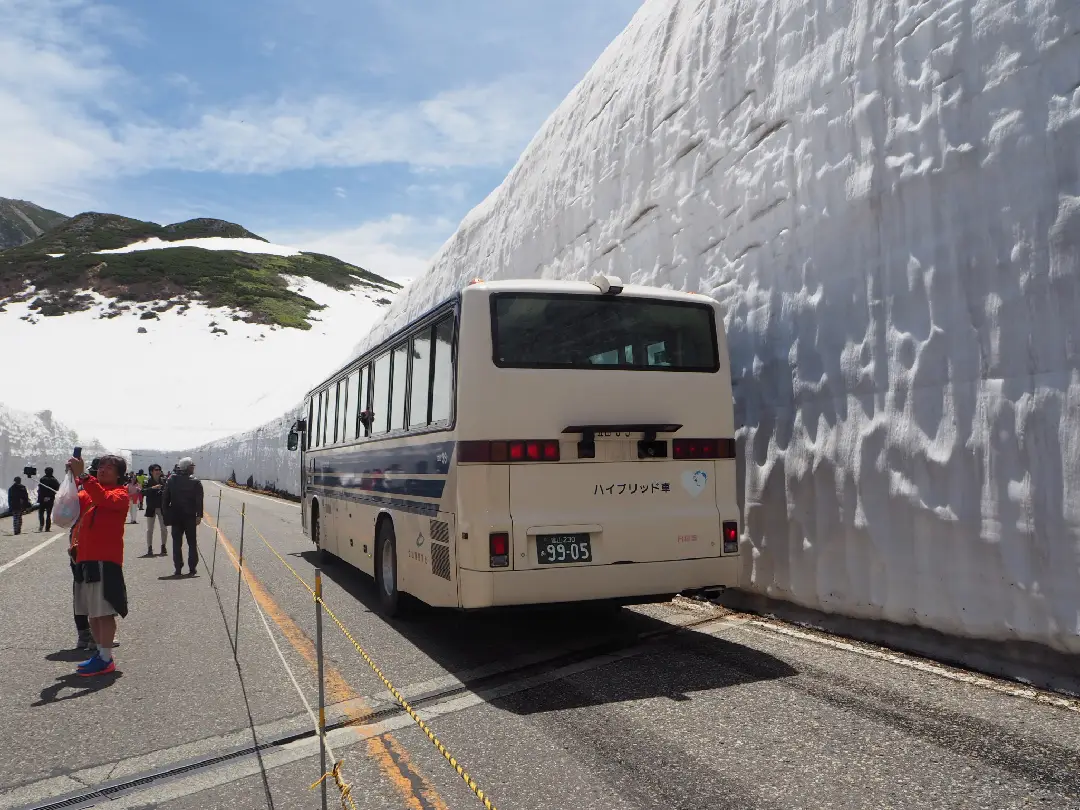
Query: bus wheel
{"points": [[386, 569], [316, 536]]}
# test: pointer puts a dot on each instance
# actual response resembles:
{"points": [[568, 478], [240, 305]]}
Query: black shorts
{"points": [[100, 580]]}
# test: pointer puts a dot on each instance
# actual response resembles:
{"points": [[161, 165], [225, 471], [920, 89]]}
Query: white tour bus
{"points": [[531, 442]]}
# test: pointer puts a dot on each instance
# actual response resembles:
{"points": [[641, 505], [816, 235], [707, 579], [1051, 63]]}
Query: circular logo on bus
{"points": [[694, 482]]}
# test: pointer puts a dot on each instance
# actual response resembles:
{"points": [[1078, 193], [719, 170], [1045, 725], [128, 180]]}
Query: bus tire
{"points": [[316, 530], [386, 567]]}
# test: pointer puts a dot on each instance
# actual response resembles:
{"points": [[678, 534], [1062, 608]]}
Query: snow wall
{"points": [[259, 454], [36, 440], [886, 198]]}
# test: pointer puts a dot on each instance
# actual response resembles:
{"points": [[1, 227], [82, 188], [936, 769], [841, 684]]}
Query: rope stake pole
{"points": [[322, 688], [217, 528], [239, 578]]}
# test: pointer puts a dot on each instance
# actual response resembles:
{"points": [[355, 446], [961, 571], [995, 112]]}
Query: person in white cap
{"points": [[182, 505]]}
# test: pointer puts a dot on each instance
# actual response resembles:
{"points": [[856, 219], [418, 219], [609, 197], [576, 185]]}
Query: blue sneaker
{"points": [[98, 666], [89, 661]]}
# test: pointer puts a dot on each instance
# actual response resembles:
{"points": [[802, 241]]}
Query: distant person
{"points": [[133, 489], [141, 478], [48, 486], [18, 500], [153, 490], [183, 505], [100, 591]]}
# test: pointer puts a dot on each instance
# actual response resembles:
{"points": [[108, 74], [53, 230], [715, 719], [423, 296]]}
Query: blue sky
{"points": [[365, 129]]}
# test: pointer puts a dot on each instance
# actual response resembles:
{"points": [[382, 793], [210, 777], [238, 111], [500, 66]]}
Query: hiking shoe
{"points": [[83, 644], [163, 551], [191, 572], [97, 666]]}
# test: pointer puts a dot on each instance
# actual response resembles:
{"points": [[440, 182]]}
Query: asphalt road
{"points": [[664, 706]]}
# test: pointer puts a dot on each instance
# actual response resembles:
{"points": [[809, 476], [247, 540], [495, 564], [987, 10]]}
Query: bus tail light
{"points": [[703, 448], [731, 537], [503, 452], [499, 546]]}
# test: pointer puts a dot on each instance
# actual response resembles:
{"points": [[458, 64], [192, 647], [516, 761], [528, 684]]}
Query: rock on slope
{"points": [[886, 197], [36, 440], [22, 221]]}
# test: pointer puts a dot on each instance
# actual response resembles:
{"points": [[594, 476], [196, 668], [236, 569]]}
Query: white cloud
{"points": [[184, 83], [55, 83], [397, 247], [69, 116], [455, 193], [480, 125], [340, 192]]}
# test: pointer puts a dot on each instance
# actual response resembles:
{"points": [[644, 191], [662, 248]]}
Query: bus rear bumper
{"points": [[480, 589]]}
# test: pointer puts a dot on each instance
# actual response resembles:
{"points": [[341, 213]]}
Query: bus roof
{"points": [[582, 287]]}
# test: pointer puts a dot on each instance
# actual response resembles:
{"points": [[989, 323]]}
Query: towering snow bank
{"points": [[39, 441], [260, 454], [886, 197]]}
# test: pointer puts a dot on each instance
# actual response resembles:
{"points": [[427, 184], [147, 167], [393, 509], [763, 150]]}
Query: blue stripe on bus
{"points": [[422, 459], [415, 487], [416, 507]]}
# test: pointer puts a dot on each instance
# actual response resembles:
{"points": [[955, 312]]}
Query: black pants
{"points": [[45, 515], [82, 622], [181, 527]]}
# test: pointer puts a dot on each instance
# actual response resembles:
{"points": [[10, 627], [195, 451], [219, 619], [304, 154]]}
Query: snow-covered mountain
{"points": [[167, 334], [885, 198]]}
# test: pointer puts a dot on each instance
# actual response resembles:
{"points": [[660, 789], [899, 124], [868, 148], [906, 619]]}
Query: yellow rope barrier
{"points": [[477, 791], [344, 787]]}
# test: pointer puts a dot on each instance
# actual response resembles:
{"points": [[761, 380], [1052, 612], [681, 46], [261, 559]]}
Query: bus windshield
{"points": [[546, 330]]}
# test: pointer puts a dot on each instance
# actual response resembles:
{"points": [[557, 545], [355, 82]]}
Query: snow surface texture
{"points": [[886, 198], [39, 441], [181, 379]]}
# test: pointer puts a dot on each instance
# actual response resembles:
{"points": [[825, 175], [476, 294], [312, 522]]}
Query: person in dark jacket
{"points": [[48, 486], [18, 500], [153, 490], [183, 506]]}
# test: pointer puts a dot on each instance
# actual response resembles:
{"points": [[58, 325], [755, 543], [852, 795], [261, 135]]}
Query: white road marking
{"points": [[243, 493], [925, 666], [292, 677], [31, 552]]}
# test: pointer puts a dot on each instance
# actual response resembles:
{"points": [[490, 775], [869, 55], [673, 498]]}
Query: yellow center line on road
{"points": [[387, 753]]}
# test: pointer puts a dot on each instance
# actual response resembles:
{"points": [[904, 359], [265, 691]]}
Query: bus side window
{"points": [[310, 423], [419, 401], [442, 377], [399, 387], [348, 410], [331, 414], [317, 427], [380, 401], [364, 402]]}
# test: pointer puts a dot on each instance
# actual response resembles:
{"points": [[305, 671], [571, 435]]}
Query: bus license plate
{"points": [[563, 548]]}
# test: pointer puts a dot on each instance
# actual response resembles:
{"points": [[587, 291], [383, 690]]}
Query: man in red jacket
{"points": [[100, 591]]}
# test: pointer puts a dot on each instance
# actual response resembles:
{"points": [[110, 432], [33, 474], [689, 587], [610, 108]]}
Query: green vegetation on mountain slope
{"points": [[252, 282]]}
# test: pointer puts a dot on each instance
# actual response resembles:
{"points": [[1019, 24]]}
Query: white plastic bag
{"points": [[66, 508]]}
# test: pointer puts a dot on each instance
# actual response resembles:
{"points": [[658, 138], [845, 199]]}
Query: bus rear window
{"points": [[544, 330]]}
